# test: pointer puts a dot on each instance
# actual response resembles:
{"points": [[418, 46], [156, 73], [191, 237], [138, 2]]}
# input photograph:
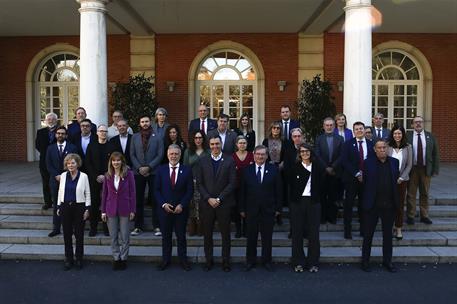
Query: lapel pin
{"points": [[266, 171]]}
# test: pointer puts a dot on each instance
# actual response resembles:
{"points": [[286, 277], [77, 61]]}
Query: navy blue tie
{"points": [[259, 175]]}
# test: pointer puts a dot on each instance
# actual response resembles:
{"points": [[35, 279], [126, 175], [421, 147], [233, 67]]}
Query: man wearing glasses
{"points": [[426, 163], [74, 129], [83, 139], [113, 129]]}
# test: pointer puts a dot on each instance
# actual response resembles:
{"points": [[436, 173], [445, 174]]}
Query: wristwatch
{"points": [[218, 200]]}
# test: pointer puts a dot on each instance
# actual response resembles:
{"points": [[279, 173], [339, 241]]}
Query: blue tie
{"points": [[259, 175]]}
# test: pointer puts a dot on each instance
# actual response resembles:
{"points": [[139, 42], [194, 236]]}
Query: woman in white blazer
{"points": [[73, 206], [401, 150]]}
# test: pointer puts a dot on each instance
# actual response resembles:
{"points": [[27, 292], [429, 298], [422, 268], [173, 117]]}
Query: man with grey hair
{"points": [[379, 131], [44, 137], [260, 201], [160, 123], [113, 129]]}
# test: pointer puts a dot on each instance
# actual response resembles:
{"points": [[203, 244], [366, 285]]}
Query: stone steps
{"points": [[280, 239], [425, 254]]}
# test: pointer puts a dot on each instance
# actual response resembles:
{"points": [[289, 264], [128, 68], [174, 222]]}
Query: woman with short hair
{"points": [[118, 207], [73, 206]]}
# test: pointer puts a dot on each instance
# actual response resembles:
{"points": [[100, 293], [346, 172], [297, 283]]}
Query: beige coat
{"points": [[406, 163]]}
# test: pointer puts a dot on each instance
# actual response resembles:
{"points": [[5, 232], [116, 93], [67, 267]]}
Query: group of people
{"points": [[221, 175]]}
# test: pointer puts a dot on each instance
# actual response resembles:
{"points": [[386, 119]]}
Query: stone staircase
{"points": [[24, 228]]}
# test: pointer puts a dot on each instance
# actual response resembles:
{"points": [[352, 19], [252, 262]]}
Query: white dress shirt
{"points": [[176, 171], [123, 140], [398, 156], [113, 131], [206, 125], [117, 179], [64, 144], [364, 146], [307, 191], [262, 171], [223, 136], [424, 145]]}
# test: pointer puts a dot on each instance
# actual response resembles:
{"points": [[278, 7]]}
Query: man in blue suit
{"points": [[202, 123], [354, 152], [379, 132], [55, 155], [74, 129], [173, 189], [380, 200], [287, 123], [260, 201]]}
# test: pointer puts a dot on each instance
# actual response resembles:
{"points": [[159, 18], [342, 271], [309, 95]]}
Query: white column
{"points": [[93, 77], [357, 61]]}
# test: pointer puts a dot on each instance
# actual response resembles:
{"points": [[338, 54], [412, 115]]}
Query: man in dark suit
{"points": [[228, 137], [96, 163], [173, 189], [287, 123], [426, 163], [355, 151], [44, 137], [216, 180], [121, 142], [146, 153], [328, 150], [380, 200], [203, 122], [74, 129], [55, 155], [83, 139], [260, 200], [379, 132]]}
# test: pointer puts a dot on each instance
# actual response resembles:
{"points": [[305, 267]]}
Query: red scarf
{"points": [[145, 135]]}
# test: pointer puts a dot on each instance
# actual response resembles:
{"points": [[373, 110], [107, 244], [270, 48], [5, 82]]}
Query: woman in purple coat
{"points": [[118, 207]]}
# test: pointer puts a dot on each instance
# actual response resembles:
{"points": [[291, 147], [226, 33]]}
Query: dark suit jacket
{"points": [[347, 134], [298, 178], [350, 158], [385, 133], [42, 141], [182, 191], [250, 137], [220, 185], [290, 154], [432, 158], [79, 149], [195, 125], [54, 163], [74, 131], [370, 176], [292, 125], [117, 147], [267, 195], [230, 140], [97, 159], [321, 149]]}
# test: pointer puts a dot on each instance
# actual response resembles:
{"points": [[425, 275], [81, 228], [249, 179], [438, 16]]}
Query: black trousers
{"points": [[259, 220], [354, 189], [140, 187], [329, 196], [305, 215], [56, 220], [208, 216], [73, 223], [46, 187], [168, 223], [387, 216]]}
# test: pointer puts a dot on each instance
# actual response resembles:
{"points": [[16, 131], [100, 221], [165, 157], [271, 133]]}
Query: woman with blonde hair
{"points": [[73, 203], [118, 207]]}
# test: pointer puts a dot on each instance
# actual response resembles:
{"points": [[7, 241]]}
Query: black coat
{"points": [[116, 146], [298, 178], [42, 141]]}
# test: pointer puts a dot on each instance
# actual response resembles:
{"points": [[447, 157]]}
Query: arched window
{"points": [[226, 83], [397, 87], [57, 81]]}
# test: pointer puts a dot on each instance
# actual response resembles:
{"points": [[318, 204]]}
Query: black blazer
{"points": [[117, 147], [350, 158], [298, 178], [267, 195], [220, 185], [54, 163], [74, 131], [322, 152], [290, 154], [194, 125], [42, 141], [97, 158], [250, 136], [79, 149], [230, 140]]}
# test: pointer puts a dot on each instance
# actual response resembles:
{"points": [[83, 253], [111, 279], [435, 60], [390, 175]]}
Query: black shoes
{"points": [[163, 265], [79, 264], [366, 267], [92, 232], [410, 221], [208, 266], [426, 220], [226, 267], [249, 266], [67, 264], [348, 235], [185, 265], [268, 267], [119, 265], [390, 267], [279, 219], [46, 206], [53, 233]]}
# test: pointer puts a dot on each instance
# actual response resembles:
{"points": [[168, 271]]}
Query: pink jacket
{"points": [[119, 202]]}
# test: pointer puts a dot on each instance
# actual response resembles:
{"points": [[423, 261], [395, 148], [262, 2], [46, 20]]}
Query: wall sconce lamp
{"points": [[171, 86], [340, 85], [282, 85]]}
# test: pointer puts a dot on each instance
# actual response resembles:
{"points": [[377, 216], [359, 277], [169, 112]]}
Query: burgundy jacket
{"points": [[119, 202]]}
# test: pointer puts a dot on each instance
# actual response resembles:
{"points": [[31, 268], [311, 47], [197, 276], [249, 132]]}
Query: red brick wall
{"points": [[15, 57], [278, 54], [440, 50]]}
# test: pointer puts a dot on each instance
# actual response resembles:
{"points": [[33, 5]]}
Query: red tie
{"points": [[173, 177], [420, 151], [203, 126], [360, 155]]}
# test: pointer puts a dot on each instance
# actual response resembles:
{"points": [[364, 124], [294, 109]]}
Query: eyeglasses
{"points": [[102, 131], [277, 128], [85, 126]]}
